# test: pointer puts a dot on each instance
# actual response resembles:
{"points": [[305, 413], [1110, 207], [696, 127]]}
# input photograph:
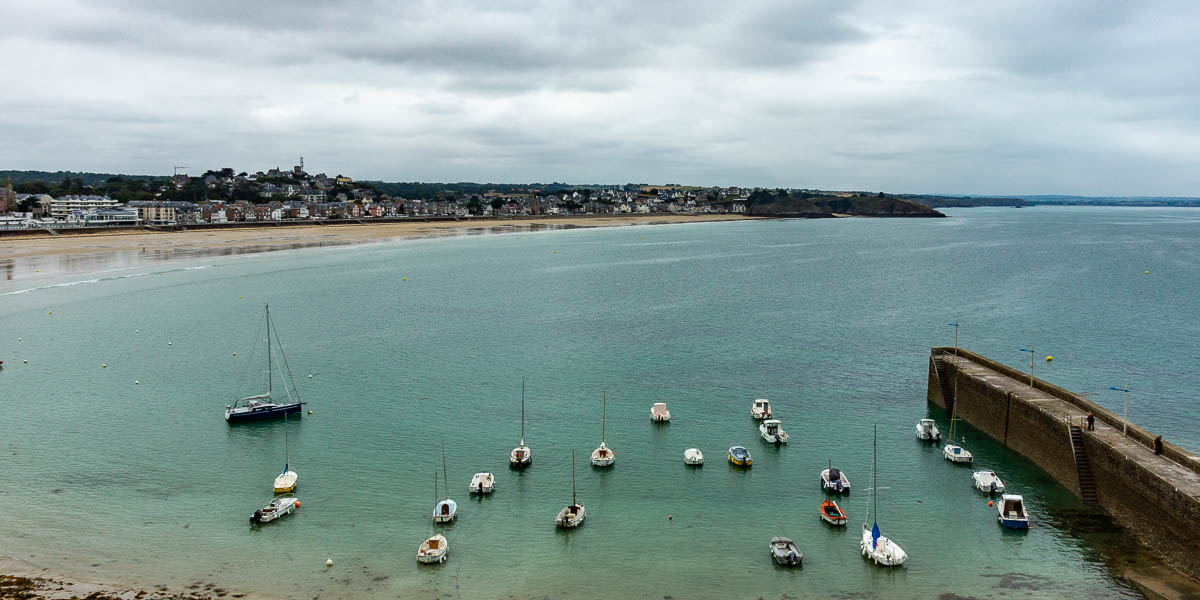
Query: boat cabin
{"points": [[761, 409]]}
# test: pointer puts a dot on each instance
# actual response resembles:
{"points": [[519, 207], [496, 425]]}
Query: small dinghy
{"points": [[785, 552], [927, 430], [435, 549], [832, 513], [1011, 512], [447, 509], [761, 409], [988, 481], [482, 483], [659, 413], [740, 456], [957, 454], [571, 515], [277, 508], [834, 480], [772, 432], [693, 456]]}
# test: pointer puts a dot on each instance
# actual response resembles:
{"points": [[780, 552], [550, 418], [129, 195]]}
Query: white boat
{"points": [[482, 483], [927, 430], [693, 456], [261, 406], [1011, 512], [521, 456], [659, 413], [572, 515], [772, 432], [951, 451], [785, 552], [603, 456], [446, 510], [834, 480], [435, 549], [761, 409], [988, 481], [875, 546], [286, 481], [283, 505]]}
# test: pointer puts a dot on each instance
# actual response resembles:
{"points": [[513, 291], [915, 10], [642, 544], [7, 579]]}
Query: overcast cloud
{"points": [[1085, 97]]}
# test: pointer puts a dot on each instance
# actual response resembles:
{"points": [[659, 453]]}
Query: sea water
{"points": [[127, 472]]}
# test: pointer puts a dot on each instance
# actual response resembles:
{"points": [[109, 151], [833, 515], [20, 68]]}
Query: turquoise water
{"points": [[413, 342]]}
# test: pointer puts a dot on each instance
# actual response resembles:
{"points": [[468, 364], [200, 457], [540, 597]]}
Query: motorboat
{"points": [[988, 481], [482, 483], [785, 552], [283, 505], [571, 515], [693, 456], [740, 456], [957, 454], [261, 407], [521, 456], [874, 545], [761, 409], [603, 456], [446, 510], [834, 480], [832, 513], [659, 413], [435, 549], [927, 430], [1011, 512], [772, 432]]}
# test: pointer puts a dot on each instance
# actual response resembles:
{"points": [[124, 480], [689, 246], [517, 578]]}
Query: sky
{"points": [[1043, 97]]}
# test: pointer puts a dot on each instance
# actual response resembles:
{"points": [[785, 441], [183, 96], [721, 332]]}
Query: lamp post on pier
{"points": [[1125, 409], [1031, 353], [955, 324]]}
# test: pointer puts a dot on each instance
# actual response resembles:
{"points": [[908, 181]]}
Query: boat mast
{"points": [[286, 458], [269, 378], [522, 411], [573, 502], [435, 494], [875, 470], [602, 415], [447, 481]]}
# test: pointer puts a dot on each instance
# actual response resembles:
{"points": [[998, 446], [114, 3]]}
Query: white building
{"points": [[117, 215], [71, 207]]}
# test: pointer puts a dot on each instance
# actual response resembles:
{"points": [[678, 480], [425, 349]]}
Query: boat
{"points": [[521, 456], [988, 481], [927, 430], [761, 409], [435, 549], [603, 456], [693, 456], [261, 406], [785, 552], [1011, 512], [572, 515], [951, 451], [482, 483], [446, 510], [875, 546], [832, 513], [659, 413], [283, 505], [834, 480], [740, 456], [772, 432], [286, 481]]}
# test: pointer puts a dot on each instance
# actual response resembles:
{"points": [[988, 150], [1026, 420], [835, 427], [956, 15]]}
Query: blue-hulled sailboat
{"points": [[261, 406]]}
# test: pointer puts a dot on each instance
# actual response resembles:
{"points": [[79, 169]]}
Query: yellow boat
{"points": [[740, 456]]}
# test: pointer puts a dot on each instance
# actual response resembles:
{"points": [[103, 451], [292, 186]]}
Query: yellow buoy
{"points": [[50, 313], [1147, 271], [1049, 358], [556, 251], [403, 279]]}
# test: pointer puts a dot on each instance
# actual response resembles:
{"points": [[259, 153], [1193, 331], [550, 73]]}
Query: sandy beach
{"points": [[278, 238]]}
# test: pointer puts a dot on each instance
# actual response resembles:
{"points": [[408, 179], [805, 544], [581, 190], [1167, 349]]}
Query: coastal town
{"points": [[225, 196]]}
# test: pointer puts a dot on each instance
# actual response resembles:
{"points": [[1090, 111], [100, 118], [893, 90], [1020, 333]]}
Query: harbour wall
{"points": [[1155, 497]]}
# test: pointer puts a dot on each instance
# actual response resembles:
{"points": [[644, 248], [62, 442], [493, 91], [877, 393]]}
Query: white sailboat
{"points": [[262, 406], [951, 451], [883, 550], [286, 481], [435, 548], [446, 510], [572, 515], [603, 456], [521, 456]]}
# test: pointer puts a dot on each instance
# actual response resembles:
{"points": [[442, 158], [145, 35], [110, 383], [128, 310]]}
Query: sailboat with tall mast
{"points": [[286, 481], [883, 550], [521, 456], [435, 548], [603, 456], [951, 451], [447, 509], [572, 515], [262, 406]]}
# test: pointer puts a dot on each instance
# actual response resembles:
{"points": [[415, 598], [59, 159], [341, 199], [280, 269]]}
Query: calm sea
{"points": [[129, 471]]}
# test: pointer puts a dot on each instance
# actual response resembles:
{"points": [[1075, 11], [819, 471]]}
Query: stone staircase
{"points": [[1083, 468]]}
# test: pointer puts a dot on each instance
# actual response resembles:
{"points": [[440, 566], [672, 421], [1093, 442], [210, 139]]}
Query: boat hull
{"points": [[1013, 523], [884, 552], [957, 454], [434, 550], [277, 508], [246, 414], [833, 514], [482, 483], [603, 456], [988, 483], [286, 482], [786, 553], [445, 511], [568, 518], [693, 457], [520, 457]]}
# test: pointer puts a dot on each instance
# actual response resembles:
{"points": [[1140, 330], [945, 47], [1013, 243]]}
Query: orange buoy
{"points": [[989, 502], [297, 504], [669, 517]]}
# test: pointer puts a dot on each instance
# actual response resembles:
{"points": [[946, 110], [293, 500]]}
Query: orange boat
{"points": [[832, 513]]}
